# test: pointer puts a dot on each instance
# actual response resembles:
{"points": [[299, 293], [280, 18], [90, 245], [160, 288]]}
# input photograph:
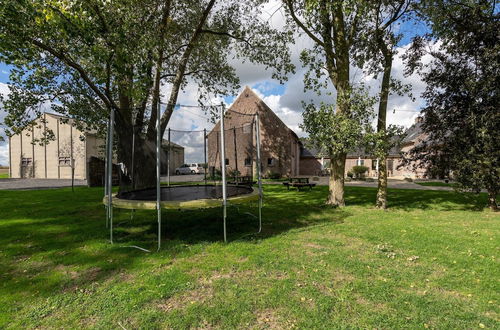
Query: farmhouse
{"points": [[69, 146], [313, 164], [283, 152], [280, 146]]}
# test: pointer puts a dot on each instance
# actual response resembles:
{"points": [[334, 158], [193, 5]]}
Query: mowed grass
{"points": [[431, 261], [436, 184]]}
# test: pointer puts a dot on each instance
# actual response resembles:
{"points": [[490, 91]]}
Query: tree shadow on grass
{"points": [[57, 233], [282, 211], [55, 241], [412, 199]]}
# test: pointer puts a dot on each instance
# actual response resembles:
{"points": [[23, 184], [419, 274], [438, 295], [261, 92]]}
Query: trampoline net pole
{"points": [[158, 191], [110, 174], [169, 150], [105, 177], [223, 170], [132, 176], [205, 167], [257, 141]]}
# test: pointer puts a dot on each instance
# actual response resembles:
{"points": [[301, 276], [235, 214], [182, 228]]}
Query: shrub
{"points": [[359, 171], [350, 174], [215, 174], [408, 179]]}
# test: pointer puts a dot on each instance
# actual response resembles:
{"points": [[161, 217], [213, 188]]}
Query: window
{"points": [[374, 164], [26, 161], [360, 162], [64, 161], [271, 161], [390, 165], [227, 161], [248, 161]]}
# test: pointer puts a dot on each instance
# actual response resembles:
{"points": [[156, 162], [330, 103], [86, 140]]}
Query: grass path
{"points": [[431, 261]]}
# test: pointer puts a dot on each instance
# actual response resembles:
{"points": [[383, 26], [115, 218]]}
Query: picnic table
{"points": [[242, 181], [299, 183]]}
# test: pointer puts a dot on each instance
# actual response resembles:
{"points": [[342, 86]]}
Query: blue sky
{"points": [[4, 72]]}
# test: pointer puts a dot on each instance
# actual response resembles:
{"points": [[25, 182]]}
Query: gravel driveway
{"points": [[30, 184]]}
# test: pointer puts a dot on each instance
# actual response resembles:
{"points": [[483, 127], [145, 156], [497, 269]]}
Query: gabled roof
{"points": [[410, 135], [249, 103], [165, 143]]}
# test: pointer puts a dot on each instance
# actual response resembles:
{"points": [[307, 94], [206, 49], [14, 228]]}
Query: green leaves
{"points": [[334, 132], [461, 118]]}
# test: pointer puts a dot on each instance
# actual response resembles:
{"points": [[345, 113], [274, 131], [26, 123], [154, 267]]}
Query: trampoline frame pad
{"points": [[132, 204]]}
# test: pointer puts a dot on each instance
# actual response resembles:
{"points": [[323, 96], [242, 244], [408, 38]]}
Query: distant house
{"points": [[176, 157], [313, 164], [53, 160], [280, 146]]}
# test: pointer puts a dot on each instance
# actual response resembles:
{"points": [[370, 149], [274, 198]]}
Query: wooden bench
{"points": [[242, 181], [299, 183]]}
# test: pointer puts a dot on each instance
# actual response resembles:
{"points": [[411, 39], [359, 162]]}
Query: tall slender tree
{"points": [[376, 48], [90, 57]]}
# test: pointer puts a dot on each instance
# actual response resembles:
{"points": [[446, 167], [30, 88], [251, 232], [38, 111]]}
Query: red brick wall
{"points": [[310, 166], [277, 140]]}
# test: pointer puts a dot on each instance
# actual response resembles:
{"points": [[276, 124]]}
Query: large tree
{"points": [[461, 118], [375, 50], [332, 26], [90, 57]]}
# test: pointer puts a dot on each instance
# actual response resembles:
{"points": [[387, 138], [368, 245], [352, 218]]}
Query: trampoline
{"points": [[195, 196], [184, 197]]}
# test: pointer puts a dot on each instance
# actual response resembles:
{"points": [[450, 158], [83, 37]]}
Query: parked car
{"points": [[191, 168]]}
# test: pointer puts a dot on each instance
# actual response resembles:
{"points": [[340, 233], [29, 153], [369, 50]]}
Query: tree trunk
{"points": [[144, 159], [381, 202], [382, 183], [492, 201], [336, 182]]}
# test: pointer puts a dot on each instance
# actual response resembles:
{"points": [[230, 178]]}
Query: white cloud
{"points": [[4, 146]]}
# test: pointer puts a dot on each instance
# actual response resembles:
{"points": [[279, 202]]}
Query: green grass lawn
{"points": [[436, 184], [431, 261], [4, 175]]}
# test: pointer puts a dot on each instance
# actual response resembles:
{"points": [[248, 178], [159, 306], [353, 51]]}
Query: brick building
{"points": [[280, 146], [311, 163]]}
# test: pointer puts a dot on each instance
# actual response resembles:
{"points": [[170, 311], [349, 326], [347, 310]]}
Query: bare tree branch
{"points": [[289, 4], [63, 57]]}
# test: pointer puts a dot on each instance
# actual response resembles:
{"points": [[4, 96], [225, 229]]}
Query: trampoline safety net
{"points": [[212, 162]]}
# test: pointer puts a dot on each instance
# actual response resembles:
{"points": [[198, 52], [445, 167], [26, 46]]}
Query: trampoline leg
{"points": [[224, 214], [260, 215], [107, 216], [111, 225], [159, 229]]}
